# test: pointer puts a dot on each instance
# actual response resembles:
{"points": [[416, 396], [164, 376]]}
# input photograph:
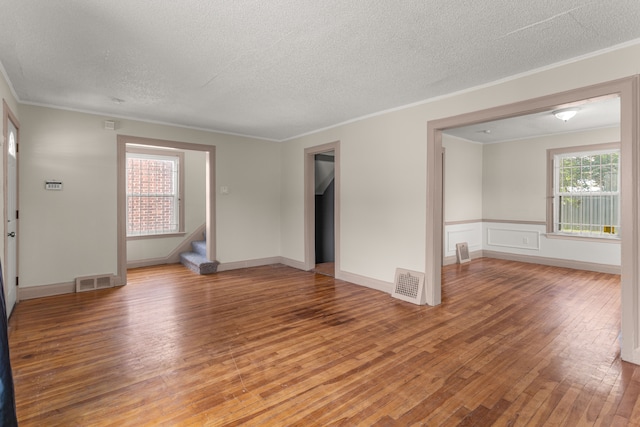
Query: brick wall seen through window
{"points": [[152, 193]]}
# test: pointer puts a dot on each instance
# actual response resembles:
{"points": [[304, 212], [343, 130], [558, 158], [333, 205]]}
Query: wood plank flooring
{"points": [[511, 344], [326, 268]]}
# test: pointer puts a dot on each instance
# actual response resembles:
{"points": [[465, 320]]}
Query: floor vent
{"points": [[90, 283], [409, 286]]}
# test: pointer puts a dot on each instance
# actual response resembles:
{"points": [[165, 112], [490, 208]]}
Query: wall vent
{"points": [[462, 251], [409, 286], [90, 283]]}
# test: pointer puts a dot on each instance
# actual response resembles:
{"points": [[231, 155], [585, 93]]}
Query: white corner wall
{"points": [[72, 233]]}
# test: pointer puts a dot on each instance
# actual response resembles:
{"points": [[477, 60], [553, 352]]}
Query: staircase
{"points": [[197, 261]]}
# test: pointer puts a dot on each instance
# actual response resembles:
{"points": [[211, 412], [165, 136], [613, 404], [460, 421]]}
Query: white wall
{"points": [[382, 194], [515, 173], [248, 218], [68, 233], [463, 178], [72, 233], [463, 197]]}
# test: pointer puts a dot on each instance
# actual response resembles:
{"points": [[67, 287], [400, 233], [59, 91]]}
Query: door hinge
{"points": [[17, 214], [16, 281]]}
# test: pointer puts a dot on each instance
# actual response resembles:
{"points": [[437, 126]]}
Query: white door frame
{"points": [[628, 89]]}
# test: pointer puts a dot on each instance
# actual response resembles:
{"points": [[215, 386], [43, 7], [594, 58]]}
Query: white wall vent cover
{"points": [[409, 286], [90, 283], [462, 251]]}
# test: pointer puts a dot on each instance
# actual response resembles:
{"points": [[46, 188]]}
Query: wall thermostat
{"points": [[53, 185]]}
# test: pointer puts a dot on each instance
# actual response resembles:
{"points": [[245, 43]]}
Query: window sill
{"points": [[615, 239], [157, 236]]}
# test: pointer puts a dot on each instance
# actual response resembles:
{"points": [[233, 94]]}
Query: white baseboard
{"points": [[566, 263], [368, 282], [32, 292], [149, 262], [226, 266], [554, 262], [300, 265], [454, 259], [378, 285]]}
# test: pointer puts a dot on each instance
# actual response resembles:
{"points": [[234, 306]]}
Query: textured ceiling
{"points": [[281, 68]]}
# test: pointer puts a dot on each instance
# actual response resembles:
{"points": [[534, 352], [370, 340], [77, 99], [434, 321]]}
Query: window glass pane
{"points": [[12, 144], [152, 194], [586, 195]]}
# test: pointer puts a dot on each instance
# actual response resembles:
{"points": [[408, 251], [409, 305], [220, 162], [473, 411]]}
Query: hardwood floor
{"points": [[511, 344], [326, 268]]}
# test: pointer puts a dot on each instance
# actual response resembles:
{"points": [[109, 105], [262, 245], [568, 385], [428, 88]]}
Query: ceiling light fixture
{"points": [[566, 113]]}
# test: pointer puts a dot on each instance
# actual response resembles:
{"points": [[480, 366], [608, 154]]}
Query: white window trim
{"points": [[162, 152], [551, 179]]}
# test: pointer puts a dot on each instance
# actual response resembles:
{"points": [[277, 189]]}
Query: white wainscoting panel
{"points": [[525, 239], [531, 240], [457, 233], [513, 238]]}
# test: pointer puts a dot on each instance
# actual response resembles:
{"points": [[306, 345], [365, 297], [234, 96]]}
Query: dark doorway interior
{"points": [[324, 212]]}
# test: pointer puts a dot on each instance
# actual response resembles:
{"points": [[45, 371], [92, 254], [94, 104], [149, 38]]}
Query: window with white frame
{"points": [[585, 191], [154, 191]]}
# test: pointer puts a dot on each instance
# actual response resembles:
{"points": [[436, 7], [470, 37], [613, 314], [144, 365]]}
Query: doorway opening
{"points": [[627, 90], [210, 186], [499, 200], [324, 186], [322, 212]]}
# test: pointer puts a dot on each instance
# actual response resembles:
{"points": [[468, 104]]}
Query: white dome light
{"points": [[566, 114]]}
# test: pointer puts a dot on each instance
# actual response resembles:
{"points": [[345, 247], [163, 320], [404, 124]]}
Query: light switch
{"points": [[224, 190]]}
